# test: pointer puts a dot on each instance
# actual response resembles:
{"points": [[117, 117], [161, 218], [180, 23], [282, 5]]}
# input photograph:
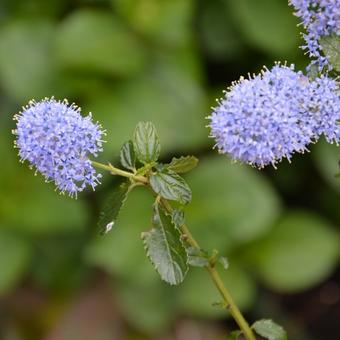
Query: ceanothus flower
{"points": [[263, 119], [320, 18], [325, 108], [57, 141]]}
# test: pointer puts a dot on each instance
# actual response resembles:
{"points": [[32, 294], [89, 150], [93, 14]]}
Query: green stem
{"points": [[216, 278], [115, 171]]}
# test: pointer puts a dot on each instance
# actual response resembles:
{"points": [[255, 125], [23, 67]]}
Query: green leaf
{"points": [[34, 75], [282, 39], [171, 186], [164, 22], [141, 307], [219, 35], [14, 262], [234, 200], [300, 251], [194, 302], [268, 329], [182, 164], [112, 207], [326, 157], [331, 48], [165, 249], [146, 142], [89, 40], [197, 257], [127, 156]]}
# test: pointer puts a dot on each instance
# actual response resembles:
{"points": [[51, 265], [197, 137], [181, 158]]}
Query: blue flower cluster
{"points": [[275, 114], [320, 18], [57, 141], [325, 108]]}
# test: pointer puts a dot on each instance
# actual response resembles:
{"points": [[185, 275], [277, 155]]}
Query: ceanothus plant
{"points": [[279, 112], [260, 121]]}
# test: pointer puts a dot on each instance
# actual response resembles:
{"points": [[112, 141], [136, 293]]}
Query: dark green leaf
{"points": [[197, 257], [34, 75], [171, 186], [326, 156], [331, 48], [141, 307], [166, 23], [223, 193], [146, 142], [301, 250], [165, 249], [196, 294], [87, 40], [268, 329], [256, 16], [112, 207], [127, 155], [182, 164], [16, 256]]}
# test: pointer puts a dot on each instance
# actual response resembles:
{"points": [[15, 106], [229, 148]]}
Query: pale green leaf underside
{"points": [[268, 329]]}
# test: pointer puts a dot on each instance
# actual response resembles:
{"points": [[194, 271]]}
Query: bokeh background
{"points": [[164, 61]]}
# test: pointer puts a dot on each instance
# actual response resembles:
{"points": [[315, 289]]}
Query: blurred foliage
{"points": [[163, 61]]}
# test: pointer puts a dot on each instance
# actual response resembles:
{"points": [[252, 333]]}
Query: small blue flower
{"points": [[57, 141], [269, 117], [325, 108], [320, 18]]}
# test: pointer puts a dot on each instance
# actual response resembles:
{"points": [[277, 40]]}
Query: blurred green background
{"points": [[164, 61]]}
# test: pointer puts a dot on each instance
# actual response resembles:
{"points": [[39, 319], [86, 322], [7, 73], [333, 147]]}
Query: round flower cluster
{"points": [[56, 140], [275, 114], [320, 18]]}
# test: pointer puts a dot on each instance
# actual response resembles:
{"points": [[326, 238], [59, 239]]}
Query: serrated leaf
{"points": [[114, 203], [182, 164], [197, 257], [268, 329], [146, 143], [331, 48], [165, 249], [128, 156], [171, 186]]}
